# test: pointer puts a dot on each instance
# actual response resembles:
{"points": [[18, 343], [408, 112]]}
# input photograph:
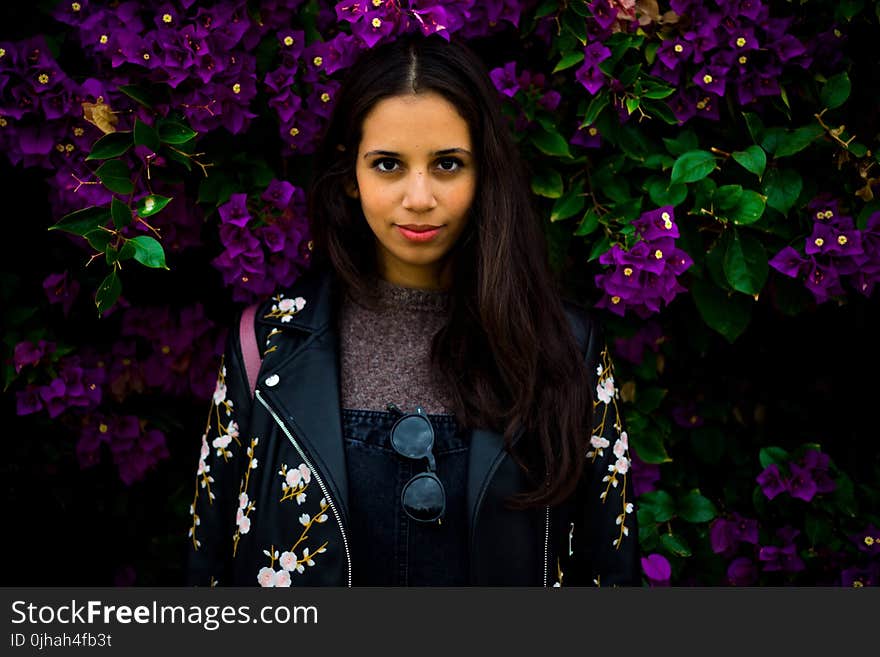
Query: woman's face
{"points": [[416, 177]]}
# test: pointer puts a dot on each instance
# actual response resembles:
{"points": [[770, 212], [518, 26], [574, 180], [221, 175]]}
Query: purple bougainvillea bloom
{"points": [[686, 416], [235, 211], [591, 78], [633, 349], [727, 533], [859, 577], [278, 193], [28, 353], [656, 569], [772, 481], [588, 137], [784, 559], [60, 288], [742, 571], [868, 540], [28, 401], [711, 79], [550, 100], [604, 13], [673, 52], [801, 483], [644, 475], [789, 262], [505, 80]]}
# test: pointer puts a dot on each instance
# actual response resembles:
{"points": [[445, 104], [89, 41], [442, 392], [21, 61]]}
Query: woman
{"points": [[428, 411]]}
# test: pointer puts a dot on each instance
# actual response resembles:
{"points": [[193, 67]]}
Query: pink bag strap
{"points": [[250, 350]]}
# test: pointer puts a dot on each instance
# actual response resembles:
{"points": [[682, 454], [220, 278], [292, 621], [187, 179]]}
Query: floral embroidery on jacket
{"points": [[245, 505], [296, 481], [289, 562], [221, 430], [607, 395]]}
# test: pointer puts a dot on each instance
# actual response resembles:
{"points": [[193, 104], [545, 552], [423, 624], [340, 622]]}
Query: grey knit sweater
{"points": [[385, 353]]}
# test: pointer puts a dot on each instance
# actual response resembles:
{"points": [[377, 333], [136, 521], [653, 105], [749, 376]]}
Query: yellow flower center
{"points": [[59, 148], [2, 52], [75, 6], [166, 18], [615, 300], [678, 47], [103, 428], [841, 239], [78, 132], [658, 254], [294, 132], [741, 42], [628, 271], [236, 88], [288, 41], [820, 215], [244, 279], [857, 584], [377, 23], [742, 59], [707, 78], [68, 148], [310, 246], [838, 33], [317, 61], [828, 214], [702, 104], [377, 3], [166, 349], [819, 241], [325, 97], [593, 132], [146, 56], [2, 122], [43, 78], [103, 38], [869, 540], [126, 361]]}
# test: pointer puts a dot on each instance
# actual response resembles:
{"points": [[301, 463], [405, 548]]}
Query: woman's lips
{"points": [[415, 233]]}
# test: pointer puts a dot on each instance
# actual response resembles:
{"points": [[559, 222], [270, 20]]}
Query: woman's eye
{"points": [[455, 162], [378, 164]]}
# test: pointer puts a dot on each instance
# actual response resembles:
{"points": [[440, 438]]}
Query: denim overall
{"points": [[389, 548]]}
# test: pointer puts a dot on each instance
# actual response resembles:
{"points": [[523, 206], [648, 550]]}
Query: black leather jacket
{"points": [[271, 494]]}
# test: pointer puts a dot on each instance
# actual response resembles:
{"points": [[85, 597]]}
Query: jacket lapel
{"points": [[300, 380]]}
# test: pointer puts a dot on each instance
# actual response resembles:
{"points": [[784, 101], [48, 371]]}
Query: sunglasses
{"points": [[412, 436]]}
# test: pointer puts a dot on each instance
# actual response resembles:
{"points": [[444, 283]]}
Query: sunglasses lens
{"points": [[412, 436], [423, 497]]}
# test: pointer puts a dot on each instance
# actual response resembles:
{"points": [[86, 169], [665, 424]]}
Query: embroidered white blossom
{"points": [[622, 465], [307, 558], [219, 392], [282, 579], [305, 519], [287, 560], [242, 500], [605, 390], [621, 445], [221, 443], [266, 577]]}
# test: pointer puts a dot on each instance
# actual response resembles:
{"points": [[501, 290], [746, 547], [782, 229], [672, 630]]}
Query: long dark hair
{"points": [[506, 352]]}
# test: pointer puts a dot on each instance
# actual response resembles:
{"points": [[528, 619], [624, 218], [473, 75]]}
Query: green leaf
{"points": [[782, 188], [649, 446], [121, 213], [550, 143], [771, 455], [659, 503], [754, 125], [797, 140], [600, 246], [148, 251], [659, 92], [171, 132], [836, 90], [150, 205], [137, 94], [675, 544], [115, 176], [693, 507], [727, 197], [857, 148], [547, 182], [749, 209], [110, 145], [818, 530], [753, 159], [745, 263], [589, 223], [83, 221], [569, 204], [692, 166], [632, 104], [99, 238], [568, 60], [146, 135], [659, 110], [108, 292], [576, 25], [547, 7], [648, 398], [662, 193], [729, 315], [126, 252], [686, 141], [598, 103]]}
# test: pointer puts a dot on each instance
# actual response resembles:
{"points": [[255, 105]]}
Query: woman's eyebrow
{"points": [[445, 151]]}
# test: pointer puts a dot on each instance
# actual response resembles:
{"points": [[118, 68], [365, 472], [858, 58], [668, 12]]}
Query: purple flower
{"points": [[867, 540], [235, 211], [782, 559], [801, 483], [788, 262], [28, 401], [711, 78], [686, 416], [649, 336], [644, 475], [674, 51], [859, 577], [278, 193], [61, 289], [727, 533], [656, 569], [587, 136], [505, 80], [604, 13], [27, 353], [772, 481], [742, 571]]}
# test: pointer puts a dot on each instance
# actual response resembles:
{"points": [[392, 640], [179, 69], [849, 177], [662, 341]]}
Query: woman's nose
{"points": [[419, 194]]}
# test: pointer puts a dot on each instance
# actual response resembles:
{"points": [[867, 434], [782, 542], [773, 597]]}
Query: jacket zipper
{"points": [[324, 490], [546, 543]]}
